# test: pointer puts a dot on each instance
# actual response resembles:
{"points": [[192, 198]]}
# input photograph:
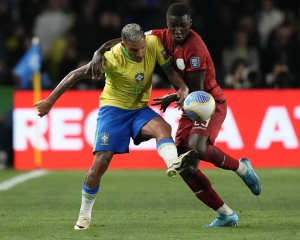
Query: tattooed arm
{"points": [[44, 106]]}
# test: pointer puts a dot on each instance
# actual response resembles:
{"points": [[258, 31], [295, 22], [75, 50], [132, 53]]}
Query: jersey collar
{"points": [[127, 55]]}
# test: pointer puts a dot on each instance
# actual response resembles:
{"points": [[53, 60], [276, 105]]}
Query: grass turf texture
{"points": [[149, 205]]}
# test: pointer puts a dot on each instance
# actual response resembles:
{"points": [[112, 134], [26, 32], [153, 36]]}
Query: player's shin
{"points": [[167, 150], [203, 190]]}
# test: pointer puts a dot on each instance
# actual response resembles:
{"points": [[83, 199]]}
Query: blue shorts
{"points": [[115, 126]]}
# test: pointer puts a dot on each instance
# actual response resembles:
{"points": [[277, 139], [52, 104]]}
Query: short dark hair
{"points": [[178, 10]]}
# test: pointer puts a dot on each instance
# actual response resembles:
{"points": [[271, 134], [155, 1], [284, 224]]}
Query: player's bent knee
{"points": [[201, 153], [163, 130], [164, 126], [157, 128], [200, 150], [199, 143]]}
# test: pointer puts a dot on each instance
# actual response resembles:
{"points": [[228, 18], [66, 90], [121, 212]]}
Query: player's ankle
{"points": [[224, 210], [85, 214], [241, 169]]}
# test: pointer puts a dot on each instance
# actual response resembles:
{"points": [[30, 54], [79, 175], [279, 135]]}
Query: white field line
{"points": [[21, 178]]}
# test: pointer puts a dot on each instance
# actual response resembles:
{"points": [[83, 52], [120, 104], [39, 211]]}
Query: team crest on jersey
{"points": [[165, 54], [195, 62], [139, 77], [104, 138]]}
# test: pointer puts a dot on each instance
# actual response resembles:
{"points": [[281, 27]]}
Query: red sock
{"points": [[203, 190], [220, 159]]}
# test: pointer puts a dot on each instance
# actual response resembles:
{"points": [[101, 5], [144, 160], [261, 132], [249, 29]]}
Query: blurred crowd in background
{"points": [[253, 43]]}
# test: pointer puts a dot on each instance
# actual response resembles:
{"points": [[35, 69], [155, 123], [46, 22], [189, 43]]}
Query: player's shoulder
{"points": [[152, 42], [160, 33], [117, 49], [151, 39], [194, 43], [194, 37], [114, 55], [156, 31]]}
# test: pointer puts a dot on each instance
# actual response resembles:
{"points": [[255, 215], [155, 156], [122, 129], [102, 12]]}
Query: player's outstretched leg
{"points": [[223, 220], [242, 167], [250, 178], [182, 162]]}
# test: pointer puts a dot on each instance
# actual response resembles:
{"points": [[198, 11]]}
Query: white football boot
{"points": [[183, 161], [82, 223]]}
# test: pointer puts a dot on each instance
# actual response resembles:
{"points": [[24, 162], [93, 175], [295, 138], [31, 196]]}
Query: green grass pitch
{"points": [[149, 205]]}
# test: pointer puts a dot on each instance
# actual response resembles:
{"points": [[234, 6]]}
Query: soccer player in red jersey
{"points": [[192, 59]]}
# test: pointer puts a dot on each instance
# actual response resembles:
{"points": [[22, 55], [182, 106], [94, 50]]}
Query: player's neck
{"points": [[175, 46]]}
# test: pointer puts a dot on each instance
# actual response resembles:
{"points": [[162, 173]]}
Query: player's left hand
{"points": [[164, 102]]}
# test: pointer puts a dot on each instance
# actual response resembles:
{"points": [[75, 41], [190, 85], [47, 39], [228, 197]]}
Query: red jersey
{"points": [[192, 55]]}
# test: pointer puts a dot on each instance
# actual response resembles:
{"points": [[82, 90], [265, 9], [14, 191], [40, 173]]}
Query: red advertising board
{"points": [[263, 125]]}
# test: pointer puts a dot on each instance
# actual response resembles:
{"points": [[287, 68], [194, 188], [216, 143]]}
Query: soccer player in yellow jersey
{"points": [[124, 111]]}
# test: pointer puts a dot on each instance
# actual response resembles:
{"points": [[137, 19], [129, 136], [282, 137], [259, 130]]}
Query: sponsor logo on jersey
{"points": [[195, 62], [104, 138], [165, 54]]}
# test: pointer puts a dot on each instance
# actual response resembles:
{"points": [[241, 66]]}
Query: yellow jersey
{"points": [[128, 84]]}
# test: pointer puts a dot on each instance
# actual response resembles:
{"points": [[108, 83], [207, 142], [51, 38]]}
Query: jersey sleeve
{"points": [[195, 55], [162, 57], [109, 59]]}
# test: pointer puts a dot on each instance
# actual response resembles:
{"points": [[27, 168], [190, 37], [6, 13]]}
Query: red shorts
{"points": [[209, 128]]}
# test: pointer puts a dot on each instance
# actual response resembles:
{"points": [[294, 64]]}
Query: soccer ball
{"points": [[199, 106]]}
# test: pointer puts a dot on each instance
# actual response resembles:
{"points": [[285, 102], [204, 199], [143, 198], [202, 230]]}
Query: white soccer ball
{"points": [[199, 106]]}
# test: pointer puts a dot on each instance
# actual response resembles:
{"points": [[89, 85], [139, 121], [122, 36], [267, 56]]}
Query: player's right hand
{"points": [[43, 107], [97, 62], [182, 93]]}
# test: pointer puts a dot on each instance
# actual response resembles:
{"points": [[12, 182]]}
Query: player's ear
{"points": [[191, 22], [122, 43]]}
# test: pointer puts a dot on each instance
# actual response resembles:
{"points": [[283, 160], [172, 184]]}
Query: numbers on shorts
{"points": [[202, 124]]}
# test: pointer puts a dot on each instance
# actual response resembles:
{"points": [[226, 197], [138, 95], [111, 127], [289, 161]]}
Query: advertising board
{"points": [[263, 125]]}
